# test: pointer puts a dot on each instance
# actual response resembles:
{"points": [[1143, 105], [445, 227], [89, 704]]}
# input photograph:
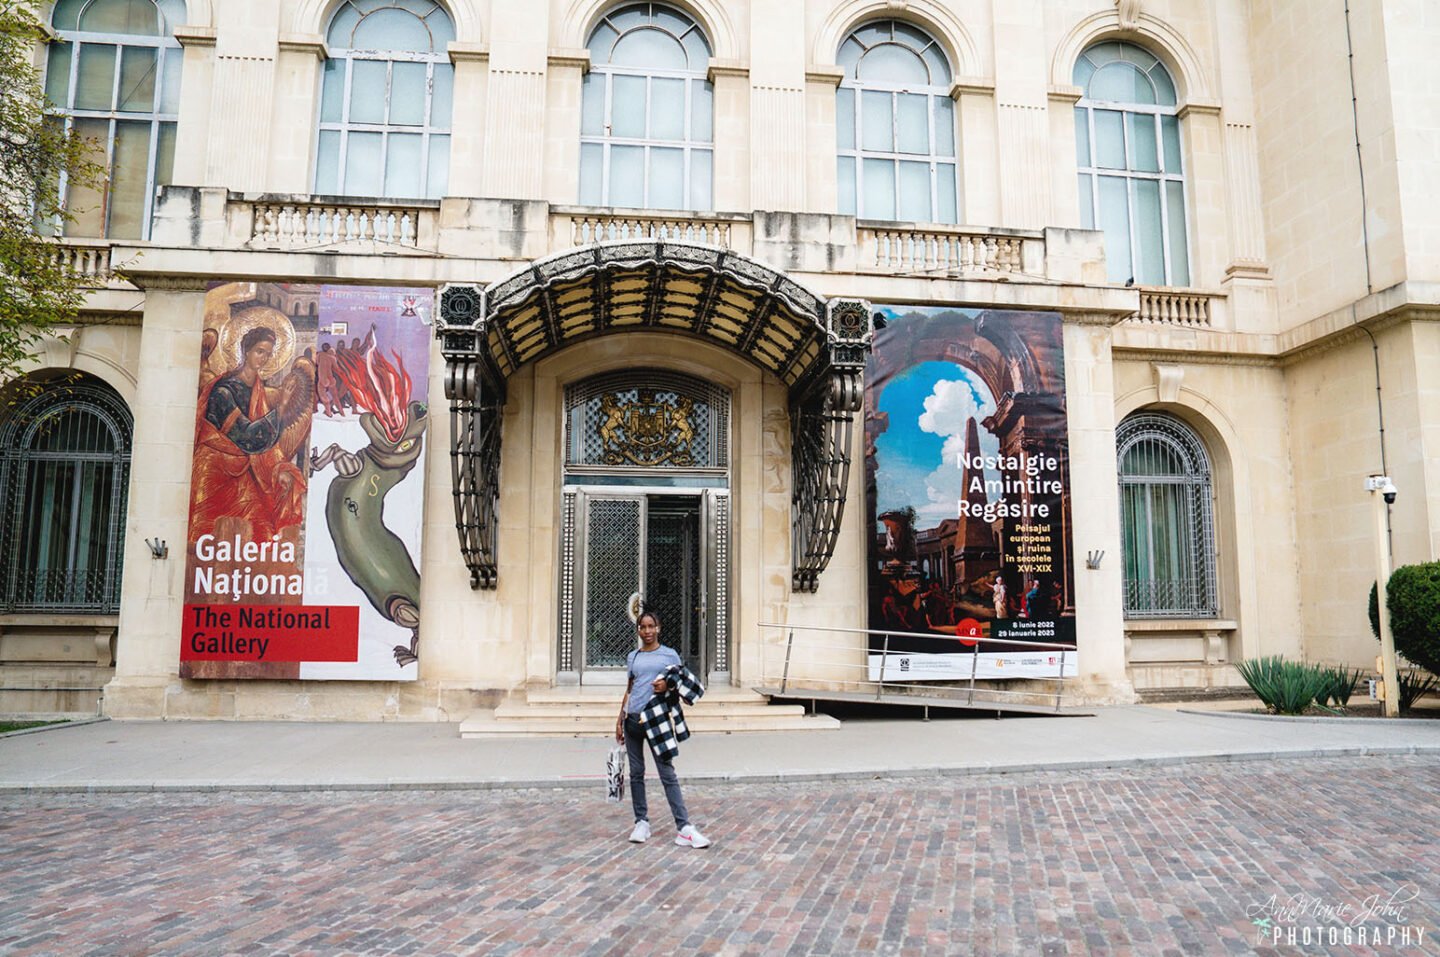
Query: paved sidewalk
{"points": [[132, 755]]}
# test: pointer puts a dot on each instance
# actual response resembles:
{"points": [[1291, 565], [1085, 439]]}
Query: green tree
{"points": [[36, 290], [1413, 597]]}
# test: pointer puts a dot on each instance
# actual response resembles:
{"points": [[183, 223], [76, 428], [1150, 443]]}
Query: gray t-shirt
{"points": [[645, 667]]}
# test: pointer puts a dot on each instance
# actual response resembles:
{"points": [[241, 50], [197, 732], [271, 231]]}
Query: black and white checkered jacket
{"points": [[662, 718]]}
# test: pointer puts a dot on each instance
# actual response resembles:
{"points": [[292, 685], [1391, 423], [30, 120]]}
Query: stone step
{"points": [[482, 724], [522, 710], [613, 694]]}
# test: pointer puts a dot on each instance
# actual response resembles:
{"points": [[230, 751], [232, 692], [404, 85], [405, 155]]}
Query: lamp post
{"points": [[1382, 494]]}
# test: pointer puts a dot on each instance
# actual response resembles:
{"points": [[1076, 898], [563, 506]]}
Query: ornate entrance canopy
{"points": [[816, 348]]}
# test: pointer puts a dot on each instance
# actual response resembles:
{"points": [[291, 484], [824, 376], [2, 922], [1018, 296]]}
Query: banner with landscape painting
{"points": [[968, 495]]}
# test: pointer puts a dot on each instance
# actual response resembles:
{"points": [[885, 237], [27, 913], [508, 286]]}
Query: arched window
{"points": [[114, 77], [645, 125], [895, 126], [64, 471], [386, 101], [1167, 529], [1127, 148]]}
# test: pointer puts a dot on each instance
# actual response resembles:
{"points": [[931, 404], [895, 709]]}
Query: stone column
{"points": [[563, 90], [192, 132], [513, 151], [297, 105], [979, 152], [821, 187], [1099, 610], [731, 79], [472, 80], [147, 656]]}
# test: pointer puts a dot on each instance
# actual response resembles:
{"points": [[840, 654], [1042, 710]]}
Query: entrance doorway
{"points": [[657, 549]]}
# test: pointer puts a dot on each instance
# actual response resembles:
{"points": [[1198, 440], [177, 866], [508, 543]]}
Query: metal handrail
{"points": [[881, 684], [917, 634]]}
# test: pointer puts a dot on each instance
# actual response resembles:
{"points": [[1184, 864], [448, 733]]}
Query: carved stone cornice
{"points": [[729, 68], [460, 51], [1183, 357], [1091, 317], [559, 59], [313, 44], [159, 282], [1065, 94], [129, 318], [1198, 108], [1356, 332], [972, 85], [192, 36], [824, 73]]}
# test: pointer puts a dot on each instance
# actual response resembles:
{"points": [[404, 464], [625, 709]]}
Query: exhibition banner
{"points": [[968, 495], [307, 483]]}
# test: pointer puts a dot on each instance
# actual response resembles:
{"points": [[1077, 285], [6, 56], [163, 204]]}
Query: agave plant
{"points": [[1339, 686], [1286, 687], [1415, 683]]}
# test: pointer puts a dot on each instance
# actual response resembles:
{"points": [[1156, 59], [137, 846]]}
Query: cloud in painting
{"points": [[950, 404]]}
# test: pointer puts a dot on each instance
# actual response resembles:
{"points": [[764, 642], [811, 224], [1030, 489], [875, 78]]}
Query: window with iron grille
{"points": [[386, 101], [647, 418], [64, 472], [1166, 517]]}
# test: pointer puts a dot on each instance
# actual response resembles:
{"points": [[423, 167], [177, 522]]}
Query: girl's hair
{"points": [[647, 613]]}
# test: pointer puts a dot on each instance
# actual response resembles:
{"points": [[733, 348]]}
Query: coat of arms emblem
{"points": [[650, 430]]}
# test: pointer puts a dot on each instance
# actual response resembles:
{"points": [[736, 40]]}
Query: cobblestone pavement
{"points": [[1150, 862]]}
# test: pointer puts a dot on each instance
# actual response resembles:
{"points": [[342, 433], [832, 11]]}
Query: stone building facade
{"points": [[1229, 204]]}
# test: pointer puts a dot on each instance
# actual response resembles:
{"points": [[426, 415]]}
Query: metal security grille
{"points": [[1166, 517], [672, 583], [647, 419], [63, 480], [614, 531]]}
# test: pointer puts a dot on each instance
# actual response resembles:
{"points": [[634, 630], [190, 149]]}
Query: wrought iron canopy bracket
{"points": [[477, 401], [821, 428]]}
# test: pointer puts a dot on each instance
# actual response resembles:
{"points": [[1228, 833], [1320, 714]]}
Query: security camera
{"points": [[1383, 485]]}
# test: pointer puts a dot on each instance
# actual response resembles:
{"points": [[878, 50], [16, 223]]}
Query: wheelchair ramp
{"points": [[983, 701]]}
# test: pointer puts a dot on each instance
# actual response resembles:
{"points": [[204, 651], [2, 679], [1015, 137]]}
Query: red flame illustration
{"points": [[378, 387]]}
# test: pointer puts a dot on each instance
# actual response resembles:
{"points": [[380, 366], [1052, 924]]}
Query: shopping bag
{"points": [[615, 775]]}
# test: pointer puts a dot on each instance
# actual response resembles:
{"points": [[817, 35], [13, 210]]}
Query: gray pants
{"points": [[635, 747]]}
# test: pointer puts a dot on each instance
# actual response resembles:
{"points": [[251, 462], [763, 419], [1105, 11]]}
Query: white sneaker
{"points": [[641, 833], [689, 837]]}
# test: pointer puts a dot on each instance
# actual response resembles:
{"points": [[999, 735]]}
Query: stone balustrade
{"points": [[1182, 307], [594, 226], [90, 260], [279, 224], [894, 248]]}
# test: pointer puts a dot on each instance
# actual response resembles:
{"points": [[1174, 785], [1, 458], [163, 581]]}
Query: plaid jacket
{"points": [[662, 718]]}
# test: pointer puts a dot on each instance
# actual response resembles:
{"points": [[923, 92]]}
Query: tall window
{"points": [[113, 78], [386, 101], [645, 126], [895, 126], [64, 470], [1166, 519], [1132, 183]]}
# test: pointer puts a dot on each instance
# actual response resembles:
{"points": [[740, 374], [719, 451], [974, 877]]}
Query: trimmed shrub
{"points": [[1286, 687], [1413, 597]]}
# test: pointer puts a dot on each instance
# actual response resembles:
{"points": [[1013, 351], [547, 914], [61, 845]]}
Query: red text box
{"points": [[270, 633]]}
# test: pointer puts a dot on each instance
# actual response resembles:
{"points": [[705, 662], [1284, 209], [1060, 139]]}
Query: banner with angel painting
{"points": [[307, 483]]}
